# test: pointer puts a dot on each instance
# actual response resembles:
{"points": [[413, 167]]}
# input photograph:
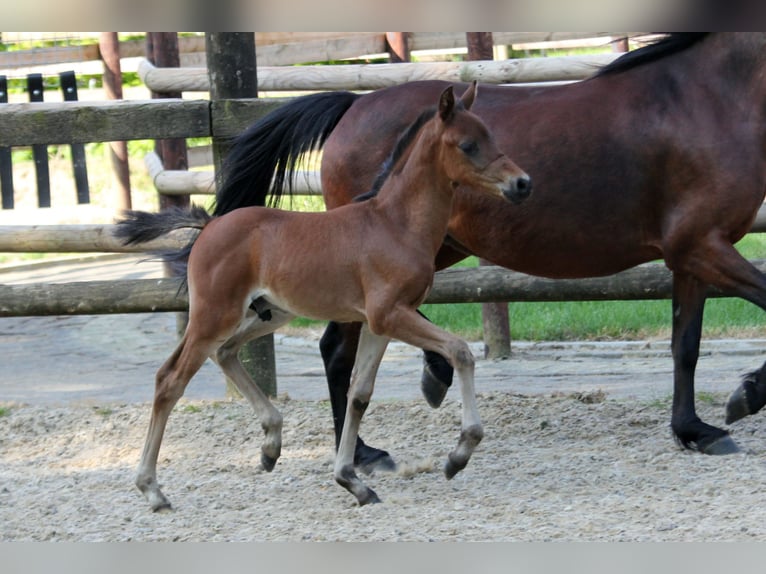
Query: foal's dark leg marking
{"points": [[749, 397], [349, 480], [338, 347]]}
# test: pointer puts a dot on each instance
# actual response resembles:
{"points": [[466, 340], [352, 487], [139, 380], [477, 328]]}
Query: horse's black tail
{"points": [[263, 159], [141, 226]]}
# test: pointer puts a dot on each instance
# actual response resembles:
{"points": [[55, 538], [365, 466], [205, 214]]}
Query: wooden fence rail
{"points": [[84, 122], [462, 285], [376, 76]]}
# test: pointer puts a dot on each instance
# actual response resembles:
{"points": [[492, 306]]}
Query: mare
{"points": [[659, 155], [252, 270]]}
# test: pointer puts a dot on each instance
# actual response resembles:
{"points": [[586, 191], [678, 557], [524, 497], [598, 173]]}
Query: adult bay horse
{"points": [[252, 270], [661, 154]]}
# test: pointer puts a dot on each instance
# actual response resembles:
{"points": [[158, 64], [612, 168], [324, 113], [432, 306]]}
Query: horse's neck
{"points": [[419, 195]]}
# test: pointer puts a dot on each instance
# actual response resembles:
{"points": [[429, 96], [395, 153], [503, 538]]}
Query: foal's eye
{"points": [[469, 147]]}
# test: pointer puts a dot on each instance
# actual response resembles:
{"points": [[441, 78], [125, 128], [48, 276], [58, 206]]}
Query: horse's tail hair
{"points": [[136, 227], [262, 161]]}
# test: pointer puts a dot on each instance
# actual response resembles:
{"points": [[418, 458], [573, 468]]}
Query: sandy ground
{"points": [[555, 467]]}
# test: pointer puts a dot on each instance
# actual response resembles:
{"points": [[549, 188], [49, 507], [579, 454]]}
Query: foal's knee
{"points": [[461, 355]]}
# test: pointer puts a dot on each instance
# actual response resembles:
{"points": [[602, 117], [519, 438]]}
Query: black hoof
{"points": [[267, 462], [434, 389], [369, 459], [163, 508], [737, 407], [369, 498], [451, 468], [720, 446], [748, 398]]}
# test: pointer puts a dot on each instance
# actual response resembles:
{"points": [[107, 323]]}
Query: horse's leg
{"points": [[268, 415], [689, 430], [714, 262], [338, 346], [736, 276], [368, 357], [436, 378], [171, 381], [406, 325]]}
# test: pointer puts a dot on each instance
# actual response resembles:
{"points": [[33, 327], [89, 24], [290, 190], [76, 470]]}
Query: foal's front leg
{"points": [[368, 357], [406, 325]]}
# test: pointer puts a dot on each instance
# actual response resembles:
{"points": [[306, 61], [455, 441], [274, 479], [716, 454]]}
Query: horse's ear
{"points": [[447, 104], [469, 95]]}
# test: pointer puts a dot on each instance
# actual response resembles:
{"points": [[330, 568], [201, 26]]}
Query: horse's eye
{"points": [[469, 147]]}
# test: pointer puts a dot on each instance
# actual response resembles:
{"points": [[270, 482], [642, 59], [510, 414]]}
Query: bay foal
{"points": [[252, 270]]}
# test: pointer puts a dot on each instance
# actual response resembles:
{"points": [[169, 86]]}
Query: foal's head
{"points": [[469, 152]]}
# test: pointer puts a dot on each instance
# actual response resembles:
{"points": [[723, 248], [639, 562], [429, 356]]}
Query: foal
{"points": [[252, 270]]}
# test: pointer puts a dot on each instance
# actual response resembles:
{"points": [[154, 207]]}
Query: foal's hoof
{"points": [[163, 508], [721, 446], [368, 497], [453, 466], [434, 389], [267, 462]]}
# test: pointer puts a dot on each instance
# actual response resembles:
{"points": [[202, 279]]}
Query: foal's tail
{"points": [[141, 226], [263, 159]]}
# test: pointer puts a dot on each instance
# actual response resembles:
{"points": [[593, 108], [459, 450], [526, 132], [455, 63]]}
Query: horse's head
{"points": [[470, 154]]}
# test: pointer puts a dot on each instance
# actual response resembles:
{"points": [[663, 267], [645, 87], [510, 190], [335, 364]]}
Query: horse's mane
{"points": [[670, 44], [402, 143]]}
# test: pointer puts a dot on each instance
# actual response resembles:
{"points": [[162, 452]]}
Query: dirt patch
{"points": [[561, 467]]}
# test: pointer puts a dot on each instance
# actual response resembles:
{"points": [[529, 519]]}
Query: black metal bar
{"points": [[40, 151], [79, 165], [6, 167]]}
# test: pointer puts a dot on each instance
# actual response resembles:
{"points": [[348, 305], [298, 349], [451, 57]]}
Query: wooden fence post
{"points": [[232, 73], [162, 51], [6, 168], [398, 47], [109, 49], [494, 316]]}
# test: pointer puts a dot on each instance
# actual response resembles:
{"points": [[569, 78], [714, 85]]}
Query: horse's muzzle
{"points": [[518, 189]]}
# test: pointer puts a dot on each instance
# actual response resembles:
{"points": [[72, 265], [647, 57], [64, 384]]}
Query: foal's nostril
{"points": [[523, 186], [519, 189]]}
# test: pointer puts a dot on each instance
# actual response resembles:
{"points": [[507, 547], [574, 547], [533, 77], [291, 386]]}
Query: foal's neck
{"points": [[419, 192]]}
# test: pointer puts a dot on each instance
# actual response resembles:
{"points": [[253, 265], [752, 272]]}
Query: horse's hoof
{"points": [[267, 462], [721, 446], [737, 406], [381, 463], [434, 389]]}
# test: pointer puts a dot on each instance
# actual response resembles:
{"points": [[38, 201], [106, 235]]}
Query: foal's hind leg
{"points": [[171, 381], [269, 416], [368, 357]]}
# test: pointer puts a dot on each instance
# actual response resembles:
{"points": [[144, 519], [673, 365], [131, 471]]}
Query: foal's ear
{"points": [[469, 95], [447, 104]]}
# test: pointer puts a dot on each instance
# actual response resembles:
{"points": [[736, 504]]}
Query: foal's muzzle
{"points": [[518, 189]]}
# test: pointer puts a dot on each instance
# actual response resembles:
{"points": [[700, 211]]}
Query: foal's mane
{"points": [[670, 44], [402, 143]]}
